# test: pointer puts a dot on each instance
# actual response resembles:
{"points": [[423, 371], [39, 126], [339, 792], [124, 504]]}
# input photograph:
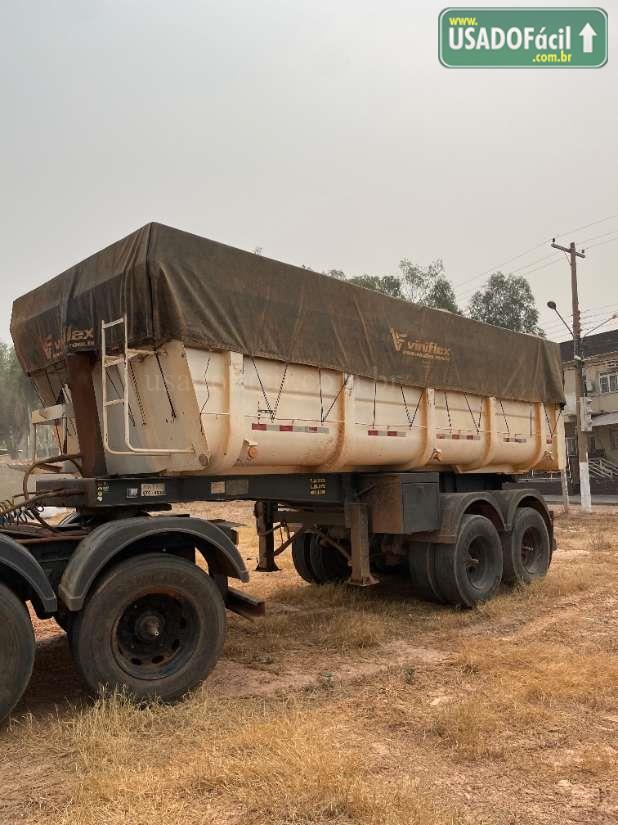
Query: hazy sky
{"points": [[326, 133]]}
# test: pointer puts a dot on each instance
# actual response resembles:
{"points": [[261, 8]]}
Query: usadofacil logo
{"points": [[571, 37]]}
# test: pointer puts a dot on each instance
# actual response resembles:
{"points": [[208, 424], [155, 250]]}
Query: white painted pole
{"points": [[584, 487], [565, 490]]}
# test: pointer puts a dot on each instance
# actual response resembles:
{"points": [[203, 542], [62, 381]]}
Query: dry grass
{"points": [[211, 761], [525, 690], [518, 687]]}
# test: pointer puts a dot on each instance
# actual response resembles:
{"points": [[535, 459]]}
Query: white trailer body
{"points": [[192, 411]]}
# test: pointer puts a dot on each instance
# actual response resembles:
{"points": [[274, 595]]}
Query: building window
{"points": [[609, 382], [570, 445], [613, 439]]}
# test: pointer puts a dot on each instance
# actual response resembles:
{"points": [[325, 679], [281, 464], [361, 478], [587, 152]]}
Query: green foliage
{"points": [[427, 286], [388, 284], [506, 301], [17, 400]]}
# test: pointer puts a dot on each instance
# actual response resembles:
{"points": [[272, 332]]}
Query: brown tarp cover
{"points": [[174, 285]]}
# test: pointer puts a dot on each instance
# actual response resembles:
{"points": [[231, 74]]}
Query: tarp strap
{"points": [[506, 421], [285, 372], [259, 378], [375, 389], [341, 389], [476, 426], [203, 407], [405, 403], [553, 429]]}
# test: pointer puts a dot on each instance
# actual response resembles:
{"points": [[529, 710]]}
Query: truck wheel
{"points": [[327, 562], [300, 557], [469, 571], [422, 566], [526, 549], [16, 650], [155, 625]]}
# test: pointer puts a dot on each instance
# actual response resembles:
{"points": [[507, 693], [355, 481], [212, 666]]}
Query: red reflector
{"points": [[258, 426], [286, 428], [372, 432]]}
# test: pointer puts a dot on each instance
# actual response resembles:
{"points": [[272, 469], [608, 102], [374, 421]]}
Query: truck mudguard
{"points": [[109, 540], [18, 565], [453, 507], [512, 500]]}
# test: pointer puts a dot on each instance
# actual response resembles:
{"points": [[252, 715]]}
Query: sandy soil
{"points": [[505, 714]]}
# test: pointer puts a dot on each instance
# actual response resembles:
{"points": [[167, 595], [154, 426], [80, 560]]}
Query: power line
{"points": [[493, 269], [587, 226], [594, 237], [602, 243]]}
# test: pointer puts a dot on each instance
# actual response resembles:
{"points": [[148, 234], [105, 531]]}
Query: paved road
{"points": [[600, 499]]}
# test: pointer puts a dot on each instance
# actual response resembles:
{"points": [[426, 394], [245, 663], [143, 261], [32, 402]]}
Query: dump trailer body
{"points": [[207, 359], [373, 435]]}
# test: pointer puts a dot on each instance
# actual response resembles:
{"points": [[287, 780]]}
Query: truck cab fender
{"points": [[22, 573], [454, 506], [115, 540]]}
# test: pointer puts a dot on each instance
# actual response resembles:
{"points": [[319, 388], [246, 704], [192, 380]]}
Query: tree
{"points": [[388, 284], [17, 400], [428, 285], [506, 301]]}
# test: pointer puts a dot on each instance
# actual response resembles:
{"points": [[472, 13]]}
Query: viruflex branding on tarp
{"points": [[518, 37]]}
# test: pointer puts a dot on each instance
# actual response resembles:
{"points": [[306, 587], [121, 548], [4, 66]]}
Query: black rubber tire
{"points": [[109, 638], [526, 550], [469, 571], [327, 562], [17, 648], [300, 557], [422, 567]]}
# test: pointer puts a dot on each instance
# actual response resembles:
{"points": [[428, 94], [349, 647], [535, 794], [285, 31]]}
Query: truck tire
{"points": [[526, 549], [154, 625], [17, 647], [300, 557], [422, 567], [469, 571], [327, 563]]}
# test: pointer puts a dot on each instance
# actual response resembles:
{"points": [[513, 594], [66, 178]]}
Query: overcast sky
{"points": [[326, 133]]}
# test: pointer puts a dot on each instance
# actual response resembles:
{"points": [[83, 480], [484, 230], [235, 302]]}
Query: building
{"points": [[600, 354]]}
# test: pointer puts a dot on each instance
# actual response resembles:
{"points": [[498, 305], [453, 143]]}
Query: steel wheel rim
{"points": [[531, 550], [477, 563], [155, 635]]}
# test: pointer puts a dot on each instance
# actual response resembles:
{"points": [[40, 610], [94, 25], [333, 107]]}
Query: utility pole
{"points": [[580, 387]]}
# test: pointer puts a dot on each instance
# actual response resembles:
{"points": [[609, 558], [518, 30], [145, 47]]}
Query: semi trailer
{"points": [[375, 437]]}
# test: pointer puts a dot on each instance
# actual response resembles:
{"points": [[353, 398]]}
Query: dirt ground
{"points": [[346, 706]]}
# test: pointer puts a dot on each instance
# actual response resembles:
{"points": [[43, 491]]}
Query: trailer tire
{"points": [[17, 648], [469, 571], [422, 567], [154, 625], [327, 562], [300, 558], [526, 549]]}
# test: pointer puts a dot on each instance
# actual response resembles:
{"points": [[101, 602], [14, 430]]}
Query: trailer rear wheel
{"points": [[154, 625], [526, 549], [300, 557], [327, 562], [17, 647], [469, 571], [422, 567]]}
